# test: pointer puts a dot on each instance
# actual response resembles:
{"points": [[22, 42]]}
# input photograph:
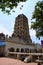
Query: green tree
{"points": [[7, 5], [37, 19]]}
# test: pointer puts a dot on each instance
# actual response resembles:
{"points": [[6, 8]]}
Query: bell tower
{"points": [[21, 28]]}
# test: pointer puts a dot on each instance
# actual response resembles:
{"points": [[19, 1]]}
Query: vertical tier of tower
{"points": [[21, 28]]}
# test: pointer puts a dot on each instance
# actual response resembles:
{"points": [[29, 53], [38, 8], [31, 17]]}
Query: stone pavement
{"points": [[10, 61]]}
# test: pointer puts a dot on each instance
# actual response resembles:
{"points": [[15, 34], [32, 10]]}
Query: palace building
{"points": [[20, 40]]}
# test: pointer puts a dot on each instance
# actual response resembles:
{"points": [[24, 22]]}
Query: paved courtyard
{"points": [[9, 61]]}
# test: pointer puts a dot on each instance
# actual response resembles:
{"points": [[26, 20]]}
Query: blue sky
{"points": [[7, 21]]}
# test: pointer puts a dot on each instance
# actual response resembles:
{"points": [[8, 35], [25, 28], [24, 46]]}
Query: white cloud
{"points": [[4, 30], [33, 36], [32, 32]]}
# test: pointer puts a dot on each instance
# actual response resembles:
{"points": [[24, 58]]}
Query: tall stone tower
{"points": [[21, 28]]}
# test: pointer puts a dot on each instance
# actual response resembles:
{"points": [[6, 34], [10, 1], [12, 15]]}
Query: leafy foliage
{"points": [[37, 25], [7, 5]]}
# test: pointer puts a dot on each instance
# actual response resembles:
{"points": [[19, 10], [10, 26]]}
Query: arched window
{"points": [[11, 49], [17, 50], [22, 50]]}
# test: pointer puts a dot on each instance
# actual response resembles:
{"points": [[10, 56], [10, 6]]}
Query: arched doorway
{"points": [[11, 49], [22, 50], [17, 50], [26, 50]]}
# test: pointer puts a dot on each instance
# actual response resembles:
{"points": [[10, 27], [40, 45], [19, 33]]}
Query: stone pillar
{"points": [[18, 56]]}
